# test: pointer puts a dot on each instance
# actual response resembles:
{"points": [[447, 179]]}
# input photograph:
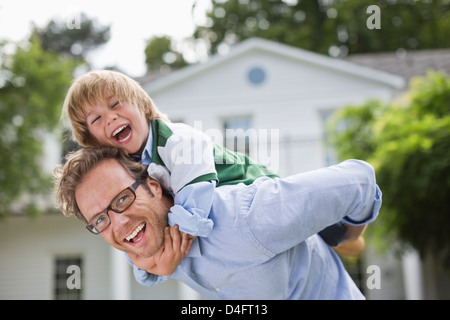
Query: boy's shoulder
{"points": [[171, 129]]}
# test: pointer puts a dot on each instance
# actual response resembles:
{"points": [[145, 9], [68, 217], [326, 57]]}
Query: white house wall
{"points": [[291, 100], [29, 247]]}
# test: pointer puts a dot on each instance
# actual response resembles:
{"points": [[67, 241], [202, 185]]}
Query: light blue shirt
{"points": [[264, 244]]}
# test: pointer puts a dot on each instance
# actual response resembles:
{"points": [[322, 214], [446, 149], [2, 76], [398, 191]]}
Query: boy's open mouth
{"points": [[122, 134]]}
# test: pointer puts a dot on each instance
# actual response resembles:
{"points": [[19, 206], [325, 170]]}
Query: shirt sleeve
{"points": [[143, 277], [192, 205], [284, 212], [189, 157]]}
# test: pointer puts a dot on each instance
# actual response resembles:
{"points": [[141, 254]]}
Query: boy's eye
{"points": [[95, 119], [115, 104]]}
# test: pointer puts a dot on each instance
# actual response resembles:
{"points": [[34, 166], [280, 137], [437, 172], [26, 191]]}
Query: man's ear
{"points": [[155, 187]]}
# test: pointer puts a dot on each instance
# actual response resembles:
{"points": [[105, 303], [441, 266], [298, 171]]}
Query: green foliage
{"points": [[76, 41], [408, 142], [32, 88], [406, 24], [33, 83], [303, 24], [320, 25], [353, 130], [160, 54]]}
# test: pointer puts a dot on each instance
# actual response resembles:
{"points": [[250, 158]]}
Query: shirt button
{"points": [[217, 289]]}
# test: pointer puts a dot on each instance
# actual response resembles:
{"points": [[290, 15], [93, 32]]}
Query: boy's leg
{"points": [[334, 234]]}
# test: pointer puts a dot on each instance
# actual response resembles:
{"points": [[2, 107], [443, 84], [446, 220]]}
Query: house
{"points": [[264, 98]]}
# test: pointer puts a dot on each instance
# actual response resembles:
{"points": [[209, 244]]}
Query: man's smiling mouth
{"points": [[137, 234], [122, 134]]}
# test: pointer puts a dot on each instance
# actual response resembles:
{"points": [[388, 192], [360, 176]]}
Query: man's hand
{"points": [[176, 246]]}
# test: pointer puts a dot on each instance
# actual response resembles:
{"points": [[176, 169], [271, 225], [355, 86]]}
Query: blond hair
{"points": [[89, 89], [79, 163]]}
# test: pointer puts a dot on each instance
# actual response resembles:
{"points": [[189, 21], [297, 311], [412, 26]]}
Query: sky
{"points": [[132, 23]]}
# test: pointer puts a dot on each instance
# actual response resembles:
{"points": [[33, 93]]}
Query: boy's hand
{"points": [[176, 246], [352, 248]]}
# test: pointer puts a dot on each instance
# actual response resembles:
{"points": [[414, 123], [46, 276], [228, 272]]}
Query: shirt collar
{"points": [[146, 158]]}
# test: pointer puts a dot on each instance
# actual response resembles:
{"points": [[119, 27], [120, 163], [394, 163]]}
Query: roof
{"points": [[282, 50], [406, 64]]}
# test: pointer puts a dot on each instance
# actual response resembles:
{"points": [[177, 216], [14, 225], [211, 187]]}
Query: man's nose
{"points": [[118, 220]]}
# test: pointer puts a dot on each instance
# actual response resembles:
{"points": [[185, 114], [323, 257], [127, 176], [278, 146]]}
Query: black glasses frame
{"points": [[91, 224]]}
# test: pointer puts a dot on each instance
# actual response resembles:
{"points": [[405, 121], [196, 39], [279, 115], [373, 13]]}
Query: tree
{"points": [[33, 83], [297, 23], [404, 24], [161, 57], [336, 27], [408, 142], [73, 38], [32, 89]]}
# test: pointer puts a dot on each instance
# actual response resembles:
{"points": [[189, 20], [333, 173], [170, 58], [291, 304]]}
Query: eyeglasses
{"points": [[119, 204]]}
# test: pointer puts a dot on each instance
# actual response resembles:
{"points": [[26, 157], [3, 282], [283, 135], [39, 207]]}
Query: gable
{"points": [[263, 67]]}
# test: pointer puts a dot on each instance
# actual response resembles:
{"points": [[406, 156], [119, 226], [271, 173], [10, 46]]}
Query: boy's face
{"points": [[120, 125]]}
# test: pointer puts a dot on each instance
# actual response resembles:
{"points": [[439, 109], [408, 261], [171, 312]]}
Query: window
{"points": [[256, 76], [330, 153], [67, 278], [237, 134]]}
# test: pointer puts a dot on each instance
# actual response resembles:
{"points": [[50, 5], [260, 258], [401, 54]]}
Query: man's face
{"points": [[140, 228]]}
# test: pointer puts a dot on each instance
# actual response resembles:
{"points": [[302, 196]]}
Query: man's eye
{"points": [[122, 202], [123, 199], [100, 220]]}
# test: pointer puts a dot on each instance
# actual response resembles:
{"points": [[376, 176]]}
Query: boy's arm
{"points": [[191, 208], [143, 277], [189, 157], [150, 271], [165, 261]]}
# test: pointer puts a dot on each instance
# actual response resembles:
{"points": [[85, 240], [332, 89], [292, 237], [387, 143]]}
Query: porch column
{"points": [[120, 276], [412, 275]]}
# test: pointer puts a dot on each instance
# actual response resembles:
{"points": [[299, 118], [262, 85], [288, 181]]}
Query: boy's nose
{"points": [[111, 117]]}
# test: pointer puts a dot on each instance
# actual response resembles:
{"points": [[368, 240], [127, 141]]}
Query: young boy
{"points": [[107, 108]]}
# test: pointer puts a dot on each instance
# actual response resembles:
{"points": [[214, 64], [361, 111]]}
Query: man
{"points": [[264, 244]]}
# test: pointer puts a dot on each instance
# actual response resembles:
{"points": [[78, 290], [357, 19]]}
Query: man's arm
{"points": [[353, 243], [353, 233], [285, 212]]}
